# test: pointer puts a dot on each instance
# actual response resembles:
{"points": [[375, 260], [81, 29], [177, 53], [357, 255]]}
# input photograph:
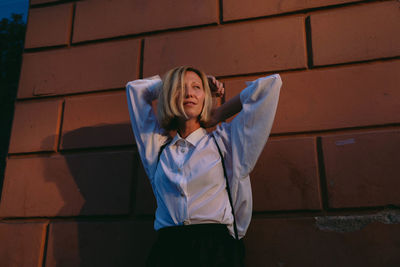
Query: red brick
{"points": [[237, 9], [21, 244], [35, 126], [300, 242], [79, 69], [145, 202], [286, 176], [332, 98], [248, 47], [49, 26], [70, 185], [96, 19], [356, 33], [100, 120], [99, 243], [362, 169]]}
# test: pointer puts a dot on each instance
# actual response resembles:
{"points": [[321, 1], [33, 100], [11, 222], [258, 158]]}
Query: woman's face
{"points": [[194, 95]]}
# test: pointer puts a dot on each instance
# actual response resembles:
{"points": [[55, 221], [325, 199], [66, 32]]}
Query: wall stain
{"points": [[351, 223]]}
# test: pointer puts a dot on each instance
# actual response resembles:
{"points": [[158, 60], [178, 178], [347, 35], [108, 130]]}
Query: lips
{"points": [[189, 103]]}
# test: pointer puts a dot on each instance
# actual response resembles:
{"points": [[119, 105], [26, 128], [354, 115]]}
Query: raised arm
{"points": [[225, 111], [149, 135], [245, 136]]}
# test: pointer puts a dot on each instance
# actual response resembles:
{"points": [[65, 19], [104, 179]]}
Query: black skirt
{"points": [[199, 245]]}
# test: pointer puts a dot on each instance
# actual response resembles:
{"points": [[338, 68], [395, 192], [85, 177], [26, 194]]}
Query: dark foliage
{"points": [[12, 35]]}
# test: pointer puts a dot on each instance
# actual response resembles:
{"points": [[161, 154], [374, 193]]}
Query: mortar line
{"points": [[301, 213], [220, 10], [59, 126], [132, 147], [71, 30], [308, 45], [141, 58], [43, 247]]}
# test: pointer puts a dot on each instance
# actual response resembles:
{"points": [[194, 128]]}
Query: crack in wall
{"points": [[343, 224]]}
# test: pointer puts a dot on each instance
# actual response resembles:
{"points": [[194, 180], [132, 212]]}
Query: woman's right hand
{"points": [[217, 87]]}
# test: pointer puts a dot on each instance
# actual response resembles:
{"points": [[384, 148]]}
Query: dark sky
{"points": [[7, 7]]}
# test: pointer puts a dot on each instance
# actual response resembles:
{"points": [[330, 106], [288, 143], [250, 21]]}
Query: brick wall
{"points": [[326, 187]]}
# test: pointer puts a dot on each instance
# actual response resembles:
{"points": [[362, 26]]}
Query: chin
{"points": [[191, 114]]}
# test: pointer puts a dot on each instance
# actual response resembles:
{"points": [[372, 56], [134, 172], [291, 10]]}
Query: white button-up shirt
{"points": [[187, 177]]}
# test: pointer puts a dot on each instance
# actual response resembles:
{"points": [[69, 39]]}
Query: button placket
{"points": [[183, 147]]}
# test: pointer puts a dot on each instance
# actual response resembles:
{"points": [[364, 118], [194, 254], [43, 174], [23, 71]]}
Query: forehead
{"points": [[191, 76]]}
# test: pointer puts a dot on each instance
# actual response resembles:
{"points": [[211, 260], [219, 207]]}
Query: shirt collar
{"points": [[193, 138]]}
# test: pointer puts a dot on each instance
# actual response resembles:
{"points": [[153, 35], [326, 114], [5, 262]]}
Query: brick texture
{"points": [[334, 97], [96, 19], [71, 185], [79, 69], [299, 242], [236, 9], [93, 121], [325, 187], [362, 169], [285, 176], [259, 46], [21, 244], [49, 26], [356, 33], [35, 126], [99, 243]]}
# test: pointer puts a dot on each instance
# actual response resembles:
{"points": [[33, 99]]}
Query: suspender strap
{"points": [[227, 189], [162, 148]]}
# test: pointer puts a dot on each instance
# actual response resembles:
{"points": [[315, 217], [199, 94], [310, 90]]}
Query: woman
{"points": [[189, 172]]}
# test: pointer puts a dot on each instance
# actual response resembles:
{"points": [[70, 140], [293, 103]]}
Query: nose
{"points": [[188, 91]]}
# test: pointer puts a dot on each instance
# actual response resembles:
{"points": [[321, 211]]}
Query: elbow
{"points": [[278, 81], [128, 88]]}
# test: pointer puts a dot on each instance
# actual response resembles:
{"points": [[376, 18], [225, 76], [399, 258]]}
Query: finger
{"points": [[220, 91], [222, 87], [218, 84]]}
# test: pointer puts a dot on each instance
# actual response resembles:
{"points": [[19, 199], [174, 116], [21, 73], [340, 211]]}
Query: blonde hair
{"points": [[168, 110]]}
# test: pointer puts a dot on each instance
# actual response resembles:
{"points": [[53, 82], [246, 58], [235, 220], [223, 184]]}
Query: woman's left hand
{"points": [[217, 87]]}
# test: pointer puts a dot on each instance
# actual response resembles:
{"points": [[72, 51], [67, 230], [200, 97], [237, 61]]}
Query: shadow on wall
{"points": [[95, 192]]}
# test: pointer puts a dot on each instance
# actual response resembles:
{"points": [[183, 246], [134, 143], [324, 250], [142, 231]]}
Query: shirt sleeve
{"points": [[148, 133], [245, 136]]}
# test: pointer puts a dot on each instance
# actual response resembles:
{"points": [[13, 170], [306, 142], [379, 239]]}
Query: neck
{"points": [[187, 127]]}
